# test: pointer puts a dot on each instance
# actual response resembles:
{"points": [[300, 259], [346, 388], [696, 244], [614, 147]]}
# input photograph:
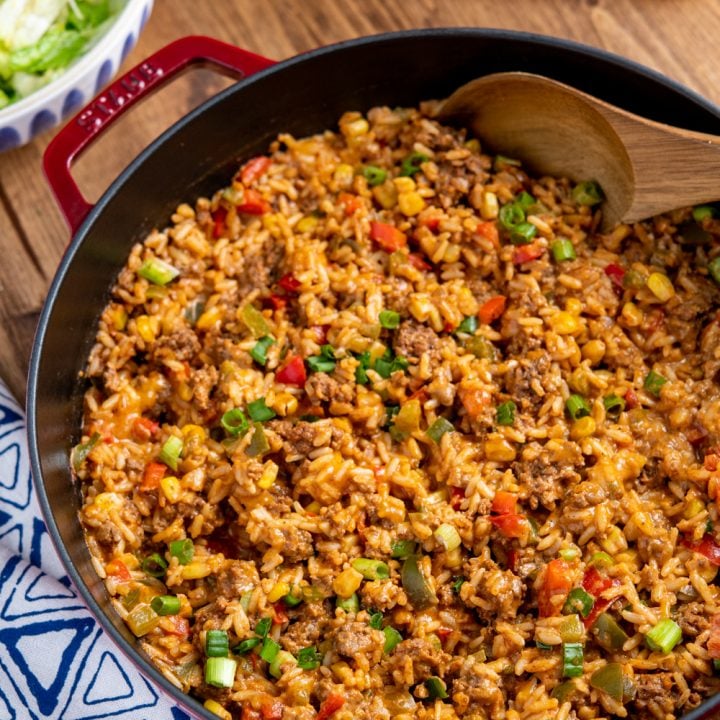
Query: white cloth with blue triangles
{"points": [[55, 661]]}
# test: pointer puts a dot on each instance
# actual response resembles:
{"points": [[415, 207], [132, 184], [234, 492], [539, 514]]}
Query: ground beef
{"points": [[491, 591], [297, 437], [545, 480], [182, 345], [321, 387], [420, 658], [413, 340], [691, 619], [239, 577], [656, 695], [203, 381], [261, 267], [308, 631], [358, 638], [382, 595], [297, 544], [477, 693], [526, 377], [108, 536]]}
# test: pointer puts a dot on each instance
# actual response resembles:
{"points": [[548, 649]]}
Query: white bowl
{"points": [[79, 83]]}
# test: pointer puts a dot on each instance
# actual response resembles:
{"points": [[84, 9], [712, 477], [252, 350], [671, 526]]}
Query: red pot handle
{"points": [[121, 95]]}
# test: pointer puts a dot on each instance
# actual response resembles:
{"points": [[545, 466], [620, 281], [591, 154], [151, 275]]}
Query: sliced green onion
{"points": [[269, 649], [569, 554], [349, 605], [505, 414], [259, 351], [609, 679], [439, 428], [468, 325], [573, 659], [392, 639], [653, 382], [458, 582], [234, 422], [703, 212], [563, 249], [371, 569], [437, 690], [259, 444], [601, 559], [714, 269], [716, 665], [262, 627], [448, 536], [588, 193], [525, 200], [247, 645], [578, 601], [170, 452], [324, 362], [361, 376], [480, 347], [577, 406], [374, 175], [292, 600], [613, 404], [154, 565], [216, 643], [376, 621], [283, 657], [400, 549], [183, 550], [220, 671], [389, 319], [523, 233], [664, 636], [259, 411], [421, 595], [411, 164], [80, 452], [166, 604], [158, 271], [255, 321], [510, 216], [309, 658], [389, 363], [608, 633]]}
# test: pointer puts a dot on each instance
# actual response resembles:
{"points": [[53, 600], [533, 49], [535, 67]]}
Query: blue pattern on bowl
{"points": [[104, 75], [9, 138], [73, 100], [44, 120], [127, 47]]}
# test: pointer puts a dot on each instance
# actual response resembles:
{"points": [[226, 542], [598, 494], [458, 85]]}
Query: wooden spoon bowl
{"points": [[644, 167]]}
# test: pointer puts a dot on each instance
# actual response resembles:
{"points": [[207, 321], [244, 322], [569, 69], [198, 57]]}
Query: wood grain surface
{"points": [[676, 37]]}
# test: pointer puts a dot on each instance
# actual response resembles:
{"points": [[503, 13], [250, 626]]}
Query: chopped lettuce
{"points": [[40, 38]]}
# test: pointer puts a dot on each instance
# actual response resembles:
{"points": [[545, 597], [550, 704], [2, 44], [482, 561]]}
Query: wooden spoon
{"points": [[643, 167]]}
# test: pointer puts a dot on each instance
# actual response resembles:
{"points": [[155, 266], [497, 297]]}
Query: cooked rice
{"points": [[622, 502]]}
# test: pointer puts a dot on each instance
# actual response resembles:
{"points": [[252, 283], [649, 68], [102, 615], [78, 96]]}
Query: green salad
{"points": [[40, 38]]}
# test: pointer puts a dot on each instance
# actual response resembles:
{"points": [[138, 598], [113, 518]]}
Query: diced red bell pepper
{"points": [[431, 223], [293, 372], [443, 633], [615, 273], [457, 495], [280, 616], [272, 709], [525, 253], [388, 237], [713, 644], [711, 460], [321, 332], [278, 302], [511, 526], [330, 706], [117, 568], [595, 583], [253, 203], [153, 474], [492, 309], [289, 283], [556, 584], [254, 168], [417, 262], [175, 625], [350, 203], [247, 712], [490, 232], [512, 558], [504, 503], [631, 399], [219, 219], [707, 547], [144, 429]]}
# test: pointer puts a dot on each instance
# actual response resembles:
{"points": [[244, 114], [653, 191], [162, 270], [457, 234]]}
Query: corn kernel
{"points": [[285, 404], [404, 184], [193, 432], [306, 224], [661, 286], [195, 570], [171, 489], [631, 314], [314, 508], [694, 507], [217, 709], [410, 203], [269, 475], [454, 558], [209, 318], [582, 428], [489, 207], [119, 317], [565, 323], [386, 195], [185, 392], [452, 253], [355, 128], [473, 145], [498, 449], [280, 590], [343, 672], [344, 175], [594, 351], [147, 327], [574, 306], [347, 582]]}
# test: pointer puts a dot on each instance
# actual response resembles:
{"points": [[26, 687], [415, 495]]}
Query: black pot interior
{"points": [[303, 95]]}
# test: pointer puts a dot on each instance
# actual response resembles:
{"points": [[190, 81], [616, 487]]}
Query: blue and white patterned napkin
{"points": [[55, 661]]}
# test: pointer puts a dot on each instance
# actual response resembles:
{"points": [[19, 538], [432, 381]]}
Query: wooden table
{"points": [[677, 37]]}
